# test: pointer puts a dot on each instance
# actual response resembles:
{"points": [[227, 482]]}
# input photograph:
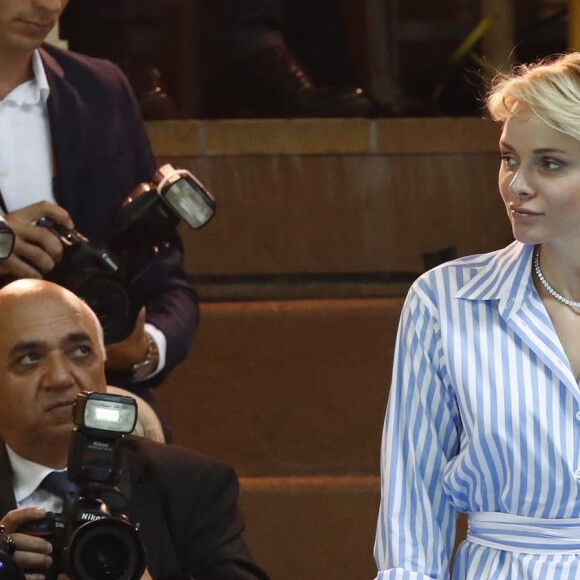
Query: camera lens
{"points": [[113, 300], [106, 549], [105, 558]]}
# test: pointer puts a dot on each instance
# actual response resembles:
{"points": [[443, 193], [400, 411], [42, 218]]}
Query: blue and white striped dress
{"points": [[483, 417]]}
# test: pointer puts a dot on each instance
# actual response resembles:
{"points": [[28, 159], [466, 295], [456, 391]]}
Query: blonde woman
{"points": [[484, 409]]}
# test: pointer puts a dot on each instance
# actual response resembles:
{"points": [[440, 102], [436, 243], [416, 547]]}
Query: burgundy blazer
{"points": [[102, 152]]}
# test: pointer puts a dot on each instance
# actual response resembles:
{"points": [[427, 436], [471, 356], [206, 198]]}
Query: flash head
{"points": [[153, 210], [7, 239], [100, 412], [185, 195]]}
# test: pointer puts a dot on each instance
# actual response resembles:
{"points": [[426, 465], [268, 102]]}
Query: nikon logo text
{"points": [[87, 517]]}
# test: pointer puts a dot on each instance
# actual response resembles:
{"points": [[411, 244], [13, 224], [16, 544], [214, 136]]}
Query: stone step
{"points": [[287, 388], [315, 527], [325, 196], [312, 527], [321, 227]]}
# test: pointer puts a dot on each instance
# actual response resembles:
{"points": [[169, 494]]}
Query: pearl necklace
{"points": [[575, 306]]}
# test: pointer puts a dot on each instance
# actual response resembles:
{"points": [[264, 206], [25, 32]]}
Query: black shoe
{"points": [[147, 83], [273, 84]]}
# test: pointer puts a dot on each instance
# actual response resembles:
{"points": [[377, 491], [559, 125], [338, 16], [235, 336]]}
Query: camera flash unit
{"points": [[101, 412]]}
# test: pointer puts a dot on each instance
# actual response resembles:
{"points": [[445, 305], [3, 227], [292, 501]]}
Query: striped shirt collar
{"points": [[506, 276]]}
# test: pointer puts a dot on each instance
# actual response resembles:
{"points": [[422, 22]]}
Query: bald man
{"points": [[51, 349]]}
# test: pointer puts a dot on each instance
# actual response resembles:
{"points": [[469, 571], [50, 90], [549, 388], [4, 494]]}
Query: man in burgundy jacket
{"points": [[74, 146]]}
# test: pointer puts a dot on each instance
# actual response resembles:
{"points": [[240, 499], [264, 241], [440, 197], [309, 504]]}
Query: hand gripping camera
{"points": [[90, 540], [98, 273]]}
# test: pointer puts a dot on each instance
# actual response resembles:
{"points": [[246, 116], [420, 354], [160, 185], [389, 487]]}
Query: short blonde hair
{"points": [[549, 88]]}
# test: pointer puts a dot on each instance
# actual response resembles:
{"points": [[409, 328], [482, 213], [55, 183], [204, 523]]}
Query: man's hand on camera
{"points": [[122, 355], [36, 249], [32, 554]]}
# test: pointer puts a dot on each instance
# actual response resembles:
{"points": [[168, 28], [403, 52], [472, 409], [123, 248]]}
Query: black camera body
{"points": [[150, 214], [92, 541], [97, 274]]}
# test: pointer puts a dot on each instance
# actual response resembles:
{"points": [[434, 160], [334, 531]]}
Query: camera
{"points": [[91, 541], [98, 273]]}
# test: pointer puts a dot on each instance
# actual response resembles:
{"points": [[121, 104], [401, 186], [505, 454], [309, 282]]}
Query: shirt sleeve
{"points": [[416, 524]]}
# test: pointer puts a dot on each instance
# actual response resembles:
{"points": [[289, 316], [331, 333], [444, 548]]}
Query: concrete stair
{"points": [[311, 527], [321, 227], [293, 394]]}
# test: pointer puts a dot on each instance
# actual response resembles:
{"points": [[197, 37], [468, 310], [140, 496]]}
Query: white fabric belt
{"points": [[523, 534]]}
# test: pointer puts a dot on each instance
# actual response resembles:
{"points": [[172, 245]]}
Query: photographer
{"points": [[51, 349], [73, 147]]}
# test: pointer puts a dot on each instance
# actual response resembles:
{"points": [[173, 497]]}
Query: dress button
{"points": [[578, 415], [577, 474]]}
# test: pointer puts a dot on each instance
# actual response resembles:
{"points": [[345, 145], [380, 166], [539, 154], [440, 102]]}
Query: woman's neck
{"points": [[561, 268]]}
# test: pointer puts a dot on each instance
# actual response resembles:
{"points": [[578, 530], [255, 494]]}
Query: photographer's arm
{"points": [[36, 250], [141, 354], [171, 307], [122, 355]]}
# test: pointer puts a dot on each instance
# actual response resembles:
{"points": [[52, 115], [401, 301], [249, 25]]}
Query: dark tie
{"points": [[58, 484]]}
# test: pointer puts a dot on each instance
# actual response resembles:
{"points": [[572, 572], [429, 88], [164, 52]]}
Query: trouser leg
{"points": [[256, 73], [316, 32], [241, 28], [130, 33], [114, 29]]}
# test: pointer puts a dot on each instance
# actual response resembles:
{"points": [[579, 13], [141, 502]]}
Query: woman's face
{"points": [[539, 180]]}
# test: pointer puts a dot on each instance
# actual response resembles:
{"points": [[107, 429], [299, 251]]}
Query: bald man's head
{"points": [[32, 289], [50, 349]]}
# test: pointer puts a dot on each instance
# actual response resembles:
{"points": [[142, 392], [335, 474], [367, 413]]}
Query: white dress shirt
{"points": [[27, 476], [25, 144]]}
